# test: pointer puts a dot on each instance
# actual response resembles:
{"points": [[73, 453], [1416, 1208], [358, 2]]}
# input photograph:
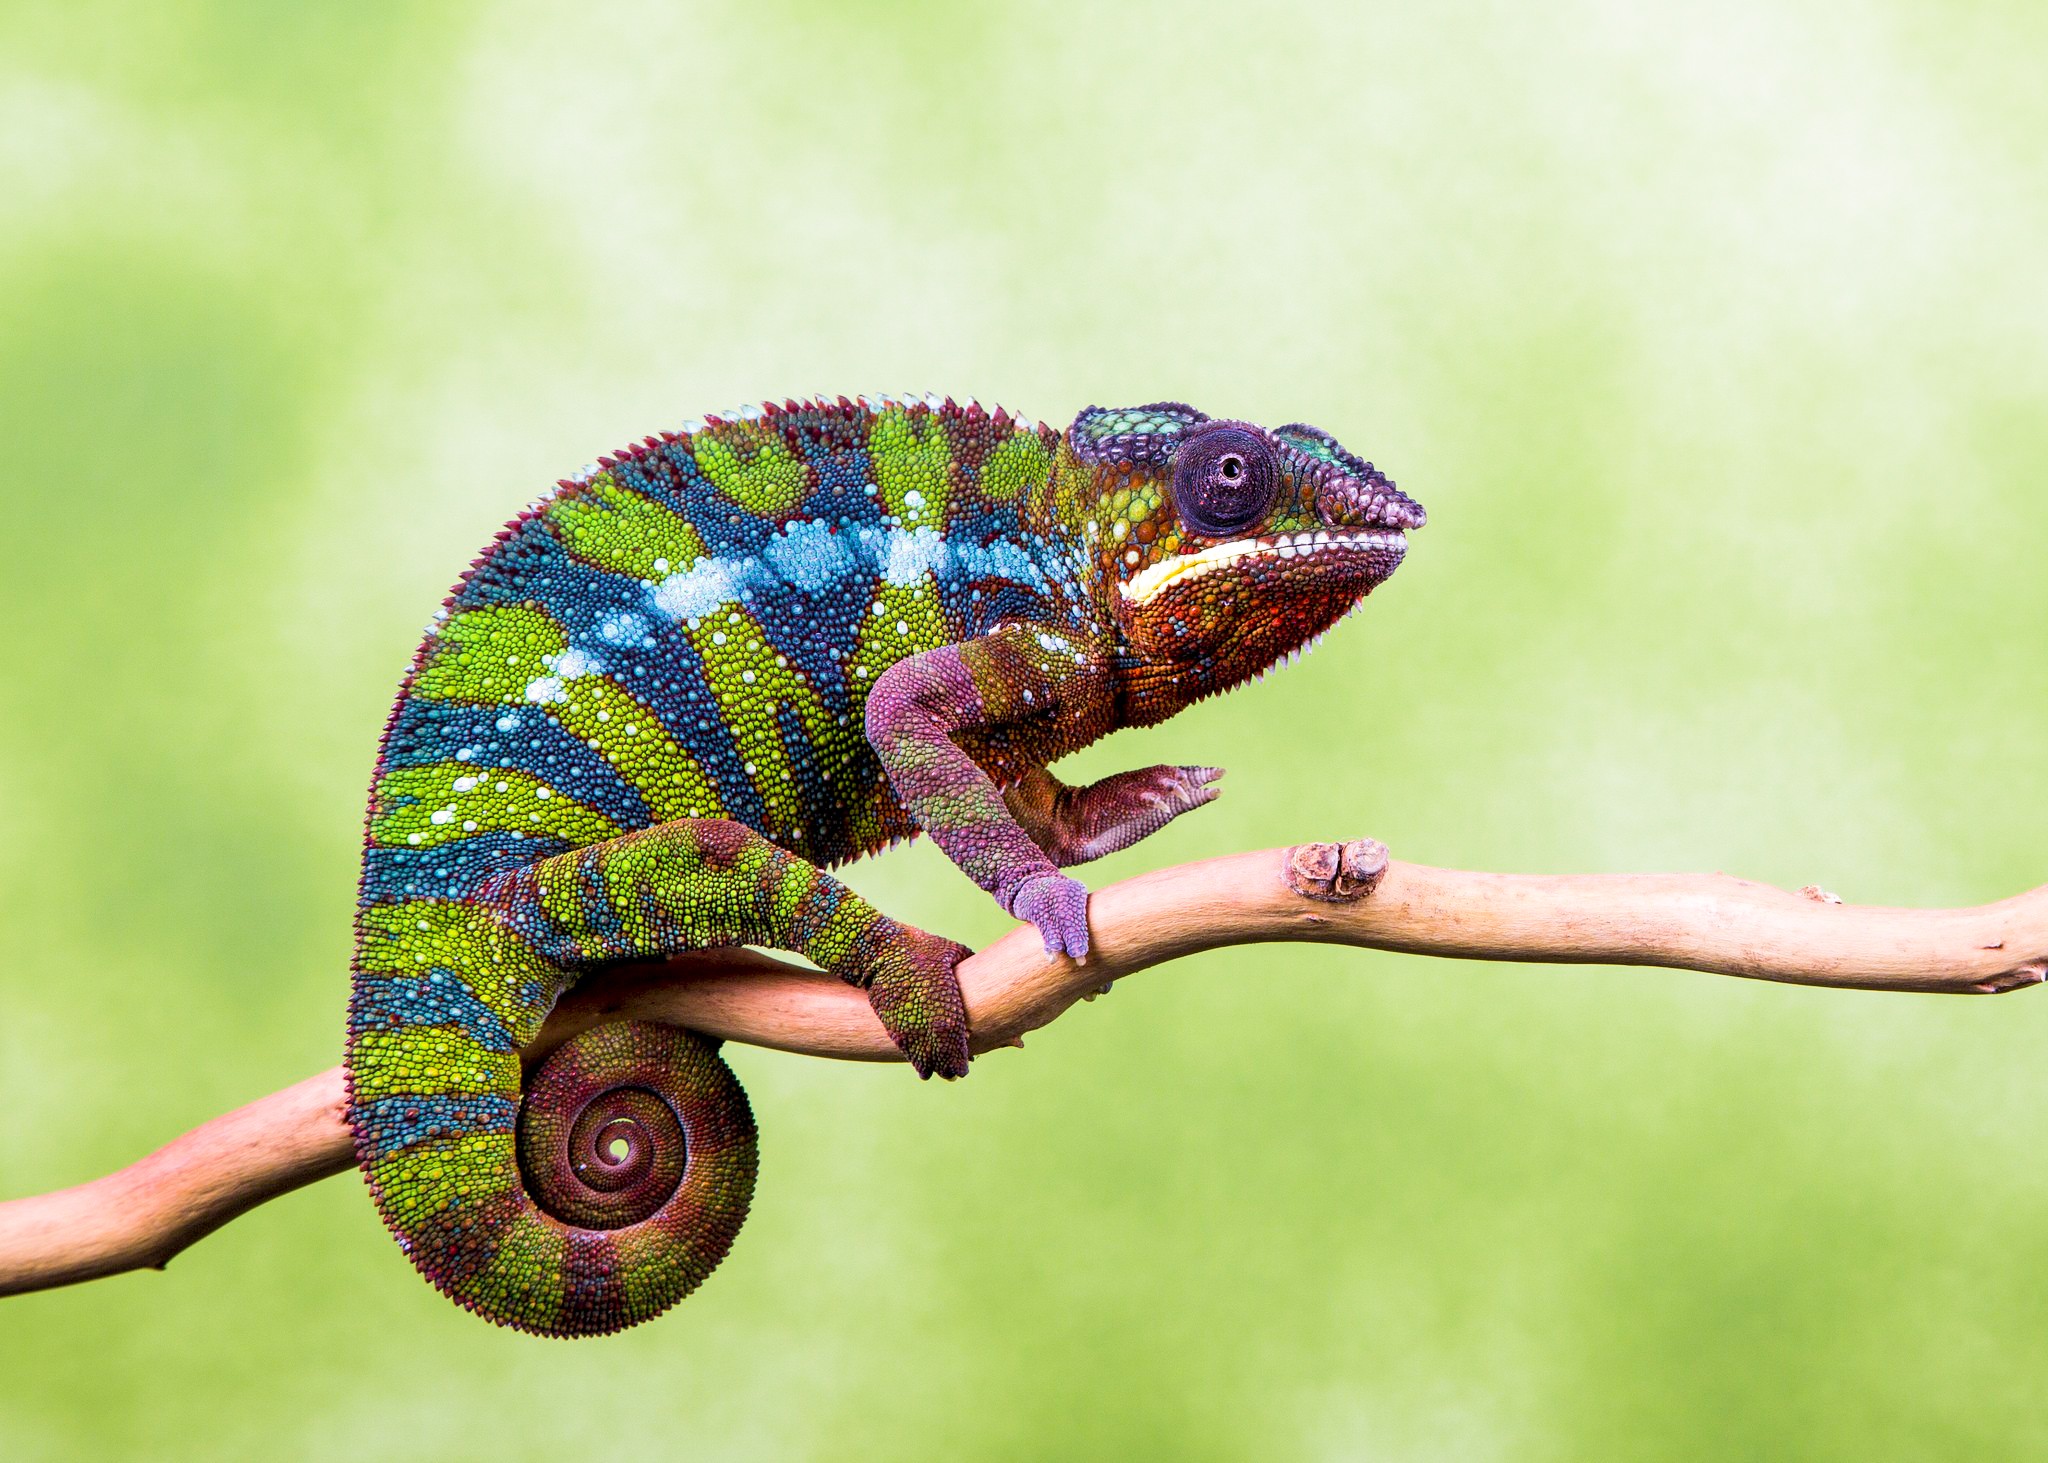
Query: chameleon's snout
{"points": [[1405, 512], [1369, 501]]}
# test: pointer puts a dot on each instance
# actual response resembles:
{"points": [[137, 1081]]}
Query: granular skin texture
{"points": [[711, 666]]}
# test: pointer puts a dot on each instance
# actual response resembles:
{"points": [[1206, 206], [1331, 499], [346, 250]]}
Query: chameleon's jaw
{"points": [[1371, 553]]}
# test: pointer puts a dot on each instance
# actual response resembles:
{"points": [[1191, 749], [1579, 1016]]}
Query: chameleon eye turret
{"points": [[1224, 480], [714, 664]]}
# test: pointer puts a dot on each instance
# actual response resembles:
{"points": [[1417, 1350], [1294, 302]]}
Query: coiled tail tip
{"points": [[604, 1197]]}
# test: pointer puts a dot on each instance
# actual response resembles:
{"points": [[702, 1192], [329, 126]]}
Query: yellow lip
{"points": [[1154, 578]]}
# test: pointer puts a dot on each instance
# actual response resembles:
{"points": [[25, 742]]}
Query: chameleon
{"points": [[708, 667]]}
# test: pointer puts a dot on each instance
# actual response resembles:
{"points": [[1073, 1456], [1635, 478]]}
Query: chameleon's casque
{"points": [[710, 666]]}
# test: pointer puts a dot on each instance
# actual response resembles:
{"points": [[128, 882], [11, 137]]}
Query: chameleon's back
{"points": [[688, 631]]}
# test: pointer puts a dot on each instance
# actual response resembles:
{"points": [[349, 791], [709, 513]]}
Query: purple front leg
{"points": [[915, 709]]}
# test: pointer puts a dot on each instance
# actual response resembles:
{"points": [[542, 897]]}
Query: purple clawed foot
{"points": [[1058, 905]]}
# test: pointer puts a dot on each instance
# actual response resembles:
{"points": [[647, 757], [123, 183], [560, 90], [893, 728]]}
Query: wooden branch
{"points": [[149, 1211]]}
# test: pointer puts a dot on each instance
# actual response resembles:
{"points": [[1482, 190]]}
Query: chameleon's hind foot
{"points": [[916, 993]]}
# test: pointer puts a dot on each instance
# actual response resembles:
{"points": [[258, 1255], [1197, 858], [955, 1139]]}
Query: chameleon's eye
{"points": [[1224, 481]]}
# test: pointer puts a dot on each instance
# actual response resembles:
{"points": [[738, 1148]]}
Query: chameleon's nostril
{"points": [[1395, 510], [1381, 510]]}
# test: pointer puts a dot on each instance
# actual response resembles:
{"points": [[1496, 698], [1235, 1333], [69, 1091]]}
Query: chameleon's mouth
{"points": [[1382, 548]]}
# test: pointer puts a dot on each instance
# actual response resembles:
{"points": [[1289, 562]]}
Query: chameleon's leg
{"points": [[915, 709], [1076, 824], [701, 883]]}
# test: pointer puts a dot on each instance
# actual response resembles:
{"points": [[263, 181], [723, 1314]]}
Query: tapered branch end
{"points": [[2018, 978]]}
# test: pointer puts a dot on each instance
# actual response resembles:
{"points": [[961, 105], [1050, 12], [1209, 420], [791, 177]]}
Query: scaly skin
{"points": [[672, 692]]}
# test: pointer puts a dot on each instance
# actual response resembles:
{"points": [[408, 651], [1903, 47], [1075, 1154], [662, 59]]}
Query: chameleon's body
{"points": [[672, 691]]}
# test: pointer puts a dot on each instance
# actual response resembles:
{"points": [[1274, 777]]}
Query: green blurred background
{"points": [[1716, 345]]}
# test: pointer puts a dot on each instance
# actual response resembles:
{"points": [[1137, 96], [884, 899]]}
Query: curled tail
{"points": [[601, 1199], [577, 1212]]}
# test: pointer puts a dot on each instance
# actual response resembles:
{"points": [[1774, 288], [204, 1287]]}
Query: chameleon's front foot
{"points": [[1058, 905], [1076, 824], [1109, 816], [915, 990]]}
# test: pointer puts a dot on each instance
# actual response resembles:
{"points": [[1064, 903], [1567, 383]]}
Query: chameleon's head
{"points": [[1224, 546]]}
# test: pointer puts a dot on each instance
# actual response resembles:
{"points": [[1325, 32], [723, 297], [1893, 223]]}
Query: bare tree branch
{"points": [[149, 1211]]}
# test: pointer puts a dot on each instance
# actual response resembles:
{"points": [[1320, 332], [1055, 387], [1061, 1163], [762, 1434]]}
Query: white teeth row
{"points": [[1290, 545]]}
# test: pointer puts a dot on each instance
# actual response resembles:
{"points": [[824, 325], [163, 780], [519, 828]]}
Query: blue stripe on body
{"points": [[450, 870], [438, 998], [666, 674], [844, 475], [514, 572], [654, 475], [394, 1123]]}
